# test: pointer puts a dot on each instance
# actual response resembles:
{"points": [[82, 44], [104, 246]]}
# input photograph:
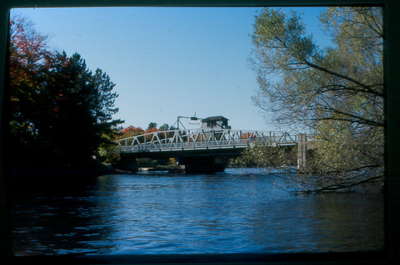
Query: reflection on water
{"points": [[241, 210]]}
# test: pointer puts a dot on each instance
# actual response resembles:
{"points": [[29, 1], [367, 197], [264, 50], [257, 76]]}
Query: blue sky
{"points": [[169, 61]]}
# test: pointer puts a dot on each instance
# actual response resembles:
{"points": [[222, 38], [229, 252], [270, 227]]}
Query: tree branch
{"points": [[343, 185], [335, 87], [325, 70]]}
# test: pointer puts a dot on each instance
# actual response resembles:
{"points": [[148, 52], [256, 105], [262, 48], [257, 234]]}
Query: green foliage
{"points": [[108, 153], [164, 127], [266, 156], [152, 125], [62, 112], [336, 92]]}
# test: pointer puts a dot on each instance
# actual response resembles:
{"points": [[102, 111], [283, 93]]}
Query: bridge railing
{"points": [[174, 140]]}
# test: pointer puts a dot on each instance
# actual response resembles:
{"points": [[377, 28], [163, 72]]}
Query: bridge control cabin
{"points": [[215, 123]]}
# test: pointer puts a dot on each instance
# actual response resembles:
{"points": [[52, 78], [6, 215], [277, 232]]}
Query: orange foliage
{"points": [[247, 136], [28, 55], [152, 130], [131, 131]]}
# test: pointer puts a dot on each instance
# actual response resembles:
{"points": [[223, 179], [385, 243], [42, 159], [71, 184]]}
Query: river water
{"points": [[240, 210]]}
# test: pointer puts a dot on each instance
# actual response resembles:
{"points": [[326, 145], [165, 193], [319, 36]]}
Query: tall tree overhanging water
{"points": [[336, 93]]}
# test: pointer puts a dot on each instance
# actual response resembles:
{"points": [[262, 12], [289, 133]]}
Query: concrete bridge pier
{"points": [[207, 164], [302, 152]]}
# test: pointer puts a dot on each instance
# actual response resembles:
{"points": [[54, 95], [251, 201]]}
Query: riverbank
{"points": [[49, 179]]}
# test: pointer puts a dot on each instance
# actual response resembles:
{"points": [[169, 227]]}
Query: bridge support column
{"points": [[301, 152], [204, 164]]}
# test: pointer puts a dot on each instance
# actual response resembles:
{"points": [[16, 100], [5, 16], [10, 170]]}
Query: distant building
{"points": [[215, 122]]}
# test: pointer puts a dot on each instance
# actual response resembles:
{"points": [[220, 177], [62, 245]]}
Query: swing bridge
{"points": [[203, 150]]}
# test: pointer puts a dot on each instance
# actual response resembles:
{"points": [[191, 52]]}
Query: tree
{"points": [[266, 156], [151, 130], [336, 92], [85, 106], [61, 111], [28, 57], [152, 125], [130, 131], [164, 127]]}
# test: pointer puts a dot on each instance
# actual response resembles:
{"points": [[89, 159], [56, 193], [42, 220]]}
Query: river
{"points": [[238, 211]]}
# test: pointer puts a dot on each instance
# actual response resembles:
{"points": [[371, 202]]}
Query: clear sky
{"points": [[168, 61]]}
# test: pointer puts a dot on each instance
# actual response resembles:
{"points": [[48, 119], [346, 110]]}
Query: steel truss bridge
{"points": [[202, 139], [203, 150]]}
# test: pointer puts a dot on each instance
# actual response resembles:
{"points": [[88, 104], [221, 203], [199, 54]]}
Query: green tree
{"points": [[336, 92], [266, 156], [85, 106], [152, 125], [61, 111], [164, 127]]}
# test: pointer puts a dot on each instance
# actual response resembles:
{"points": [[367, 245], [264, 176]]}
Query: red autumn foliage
{"points": [[131, 131], [247, 135], [27, 47], [29, 57], [150, 130]]}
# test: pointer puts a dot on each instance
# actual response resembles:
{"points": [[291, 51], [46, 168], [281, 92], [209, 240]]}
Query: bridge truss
{"points": [[202, 139]]}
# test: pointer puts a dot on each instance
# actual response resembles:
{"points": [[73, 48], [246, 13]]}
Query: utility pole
{"points": [[178, 120]]}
